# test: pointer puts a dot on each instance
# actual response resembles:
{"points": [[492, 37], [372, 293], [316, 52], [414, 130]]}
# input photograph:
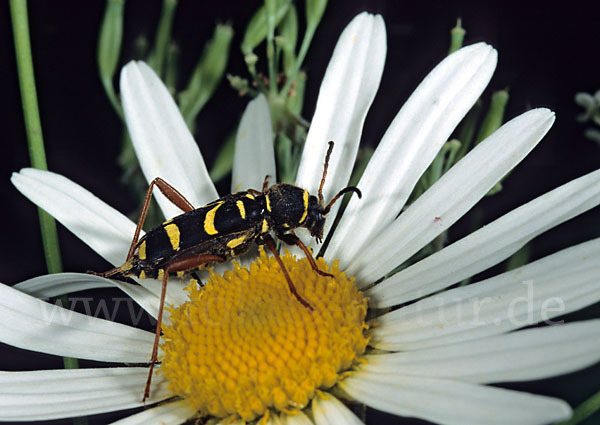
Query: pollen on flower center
{"points": [[243, 344]]}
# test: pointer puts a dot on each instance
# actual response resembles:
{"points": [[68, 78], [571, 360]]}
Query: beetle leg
{"points": [[291, 239], [271, 245], [172, 195], [265, 183], [180, 264]]}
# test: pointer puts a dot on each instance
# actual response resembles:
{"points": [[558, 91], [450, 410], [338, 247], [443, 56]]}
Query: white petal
{"points": [[52, 394], [331, 411], [32, 324], [347, 91], [553, 286], [490, 244], [453, 403], [163, 144], [166, 414], [452, 195], [54, 285], [176, 294], [296, 418], [518, 356], [254, 156], [101, 227], [410, 144]]}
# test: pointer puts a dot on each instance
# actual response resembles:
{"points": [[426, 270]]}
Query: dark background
{"points": [[546, 54]]}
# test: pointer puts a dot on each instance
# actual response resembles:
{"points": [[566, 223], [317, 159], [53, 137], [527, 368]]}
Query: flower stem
{"points": [[33, 126], [584, 410], [20, 24]]}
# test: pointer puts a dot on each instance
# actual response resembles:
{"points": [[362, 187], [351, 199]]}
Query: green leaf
{"points": [[207, 74], [163, 36], [224, 161], [256, 31], [109, 48]]}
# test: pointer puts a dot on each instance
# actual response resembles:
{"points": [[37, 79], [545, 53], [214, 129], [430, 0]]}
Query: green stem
{"points": [[20, 24], [163, 35], [584, 410], [33, 126], [270, 6], [308, 36]]}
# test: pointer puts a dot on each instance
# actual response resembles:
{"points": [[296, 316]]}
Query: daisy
{"points": [[242, 348]]}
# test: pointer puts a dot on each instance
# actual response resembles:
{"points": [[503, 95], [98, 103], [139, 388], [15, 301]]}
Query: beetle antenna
{"points": [[321, 201], [340, 193]]}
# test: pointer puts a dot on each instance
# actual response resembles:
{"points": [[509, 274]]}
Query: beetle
{"points": [[223, 229]]}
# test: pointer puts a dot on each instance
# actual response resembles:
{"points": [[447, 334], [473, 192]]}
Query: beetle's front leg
{"points": [[268, 240], [291, 239]]}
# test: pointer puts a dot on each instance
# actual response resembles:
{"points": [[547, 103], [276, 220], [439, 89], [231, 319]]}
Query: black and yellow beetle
{"points": [[223, 229]]}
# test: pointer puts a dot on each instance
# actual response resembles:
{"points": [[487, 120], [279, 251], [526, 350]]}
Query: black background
{"points": [[546, 54]]}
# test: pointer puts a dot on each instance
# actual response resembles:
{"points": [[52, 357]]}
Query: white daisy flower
{"points": [[246, 349]]}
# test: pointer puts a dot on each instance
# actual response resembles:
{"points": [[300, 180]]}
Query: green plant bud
{"points": [[495, 115], [251, 59], [457, 35], [207, 74], [256, 31], [314, 12], [288, 37]]}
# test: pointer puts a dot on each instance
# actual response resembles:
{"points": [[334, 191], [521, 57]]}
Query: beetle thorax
{"points": [[289, 207]]}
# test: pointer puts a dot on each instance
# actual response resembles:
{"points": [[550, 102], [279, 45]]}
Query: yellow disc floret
{"points": [[243, 344]]}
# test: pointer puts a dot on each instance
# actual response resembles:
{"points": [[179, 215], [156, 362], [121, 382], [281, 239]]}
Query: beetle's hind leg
{"points": [[180, 264], [291, 239], [171, 194]]}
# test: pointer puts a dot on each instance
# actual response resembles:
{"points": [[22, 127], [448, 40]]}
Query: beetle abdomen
{"points": [[229, 215]]}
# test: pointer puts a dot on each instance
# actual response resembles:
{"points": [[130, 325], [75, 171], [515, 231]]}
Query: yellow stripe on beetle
{"points": [[242, 209], [268, 203], [265, 226], [173, 233], [142, 251], [209, 220], [305, 213], [234, 243]]}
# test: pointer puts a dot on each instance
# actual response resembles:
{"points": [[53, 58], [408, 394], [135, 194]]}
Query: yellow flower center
{"points": [[243, 344]]}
